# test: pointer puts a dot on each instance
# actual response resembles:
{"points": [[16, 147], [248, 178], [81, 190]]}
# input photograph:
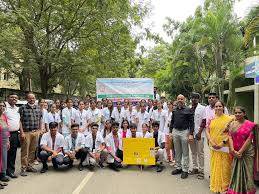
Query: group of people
{"points": [[92, 131]]}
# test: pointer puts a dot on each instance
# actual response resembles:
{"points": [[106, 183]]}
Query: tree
{"points": [[63, 37]]}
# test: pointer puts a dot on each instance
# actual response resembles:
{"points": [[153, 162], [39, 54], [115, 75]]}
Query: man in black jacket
{"points": [[181, 128]]}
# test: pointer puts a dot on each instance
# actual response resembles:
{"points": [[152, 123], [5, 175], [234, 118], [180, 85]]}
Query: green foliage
{"points": [[78, 40], [205, 54]]}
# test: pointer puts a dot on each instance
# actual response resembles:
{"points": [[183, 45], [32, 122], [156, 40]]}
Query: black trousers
{"points": [[81, 154], [11, 155], [57, 161]]}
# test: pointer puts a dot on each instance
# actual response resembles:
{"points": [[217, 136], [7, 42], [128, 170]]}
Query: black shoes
{"points": [[12, 175], [91, 167], [159, 168], [80, 167], [44, 169], [177, 171], [4, 179], [184, 175], [101, 165], [113, 167]]}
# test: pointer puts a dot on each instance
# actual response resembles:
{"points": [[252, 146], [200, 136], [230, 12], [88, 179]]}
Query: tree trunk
{"points": [[219, 73], [44, 79], [24, 81]]}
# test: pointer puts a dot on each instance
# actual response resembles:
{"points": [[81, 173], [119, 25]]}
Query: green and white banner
{"points": [[130, 88]]}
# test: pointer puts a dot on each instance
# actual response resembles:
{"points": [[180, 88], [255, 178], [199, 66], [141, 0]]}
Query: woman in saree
{"points": [[242, 147], [220, 161]]}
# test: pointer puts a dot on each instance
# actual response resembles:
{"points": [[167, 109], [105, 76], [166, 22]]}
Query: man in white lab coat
{"points": [[114, 147], [95, 146], [75, 146]]}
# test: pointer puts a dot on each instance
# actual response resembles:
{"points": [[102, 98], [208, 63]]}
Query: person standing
{"points": [[210, 109], [197, 145], [156, 95], [5, 141], [107, 111], [31, 116], [13, 120], [220, 160], [182, 127], [68, 117], [81, 118], [52, 116], [242, 134], [142, 117], [131, 114], [117, 113], [95, 115]]}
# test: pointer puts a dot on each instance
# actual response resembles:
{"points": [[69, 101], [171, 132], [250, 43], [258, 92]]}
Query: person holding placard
{"points": [[132, 133]]}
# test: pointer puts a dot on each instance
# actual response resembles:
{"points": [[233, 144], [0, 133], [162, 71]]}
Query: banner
{"points": [[140, 151], [120, 88]]}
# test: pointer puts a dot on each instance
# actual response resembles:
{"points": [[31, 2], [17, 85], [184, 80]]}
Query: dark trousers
{"points": [[119, 154], [81, 154], [56, 161], [11, 155]]}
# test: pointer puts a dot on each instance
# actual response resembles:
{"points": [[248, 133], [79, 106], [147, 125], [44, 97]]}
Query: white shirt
{"points": [[80, 142], [67, 116], [199, 115], [43, 118], [13, 117], [150, 111], [131, 116], [138, 134], [50, 117], [95, 116], [123, 109], [117, 116], [142, 118], [98, 141], [47, 141], [160, 138], [162, 117], [110, 142], [106, 114], [81, 118], [147, 135], [165, 107]]}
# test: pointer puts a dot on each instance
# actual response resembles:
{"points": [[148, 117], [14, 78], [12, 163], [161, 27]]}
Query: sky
{"points": [[180, 10]]}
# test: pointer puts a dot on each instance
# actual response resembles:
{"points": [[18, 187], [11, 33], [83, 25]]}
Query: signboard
{"points": [[139, 151], [257, 71], [120, 88], [250, 70]]}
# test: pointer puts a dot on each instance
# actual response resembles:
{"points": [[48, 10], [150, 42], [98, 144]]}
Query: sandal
{"points": [[3, 184], [200, 176]]}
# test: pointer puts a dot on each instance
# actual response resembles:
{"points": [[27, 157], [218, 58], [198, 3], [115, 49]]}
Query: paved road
{"points": [[129, 181]]}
